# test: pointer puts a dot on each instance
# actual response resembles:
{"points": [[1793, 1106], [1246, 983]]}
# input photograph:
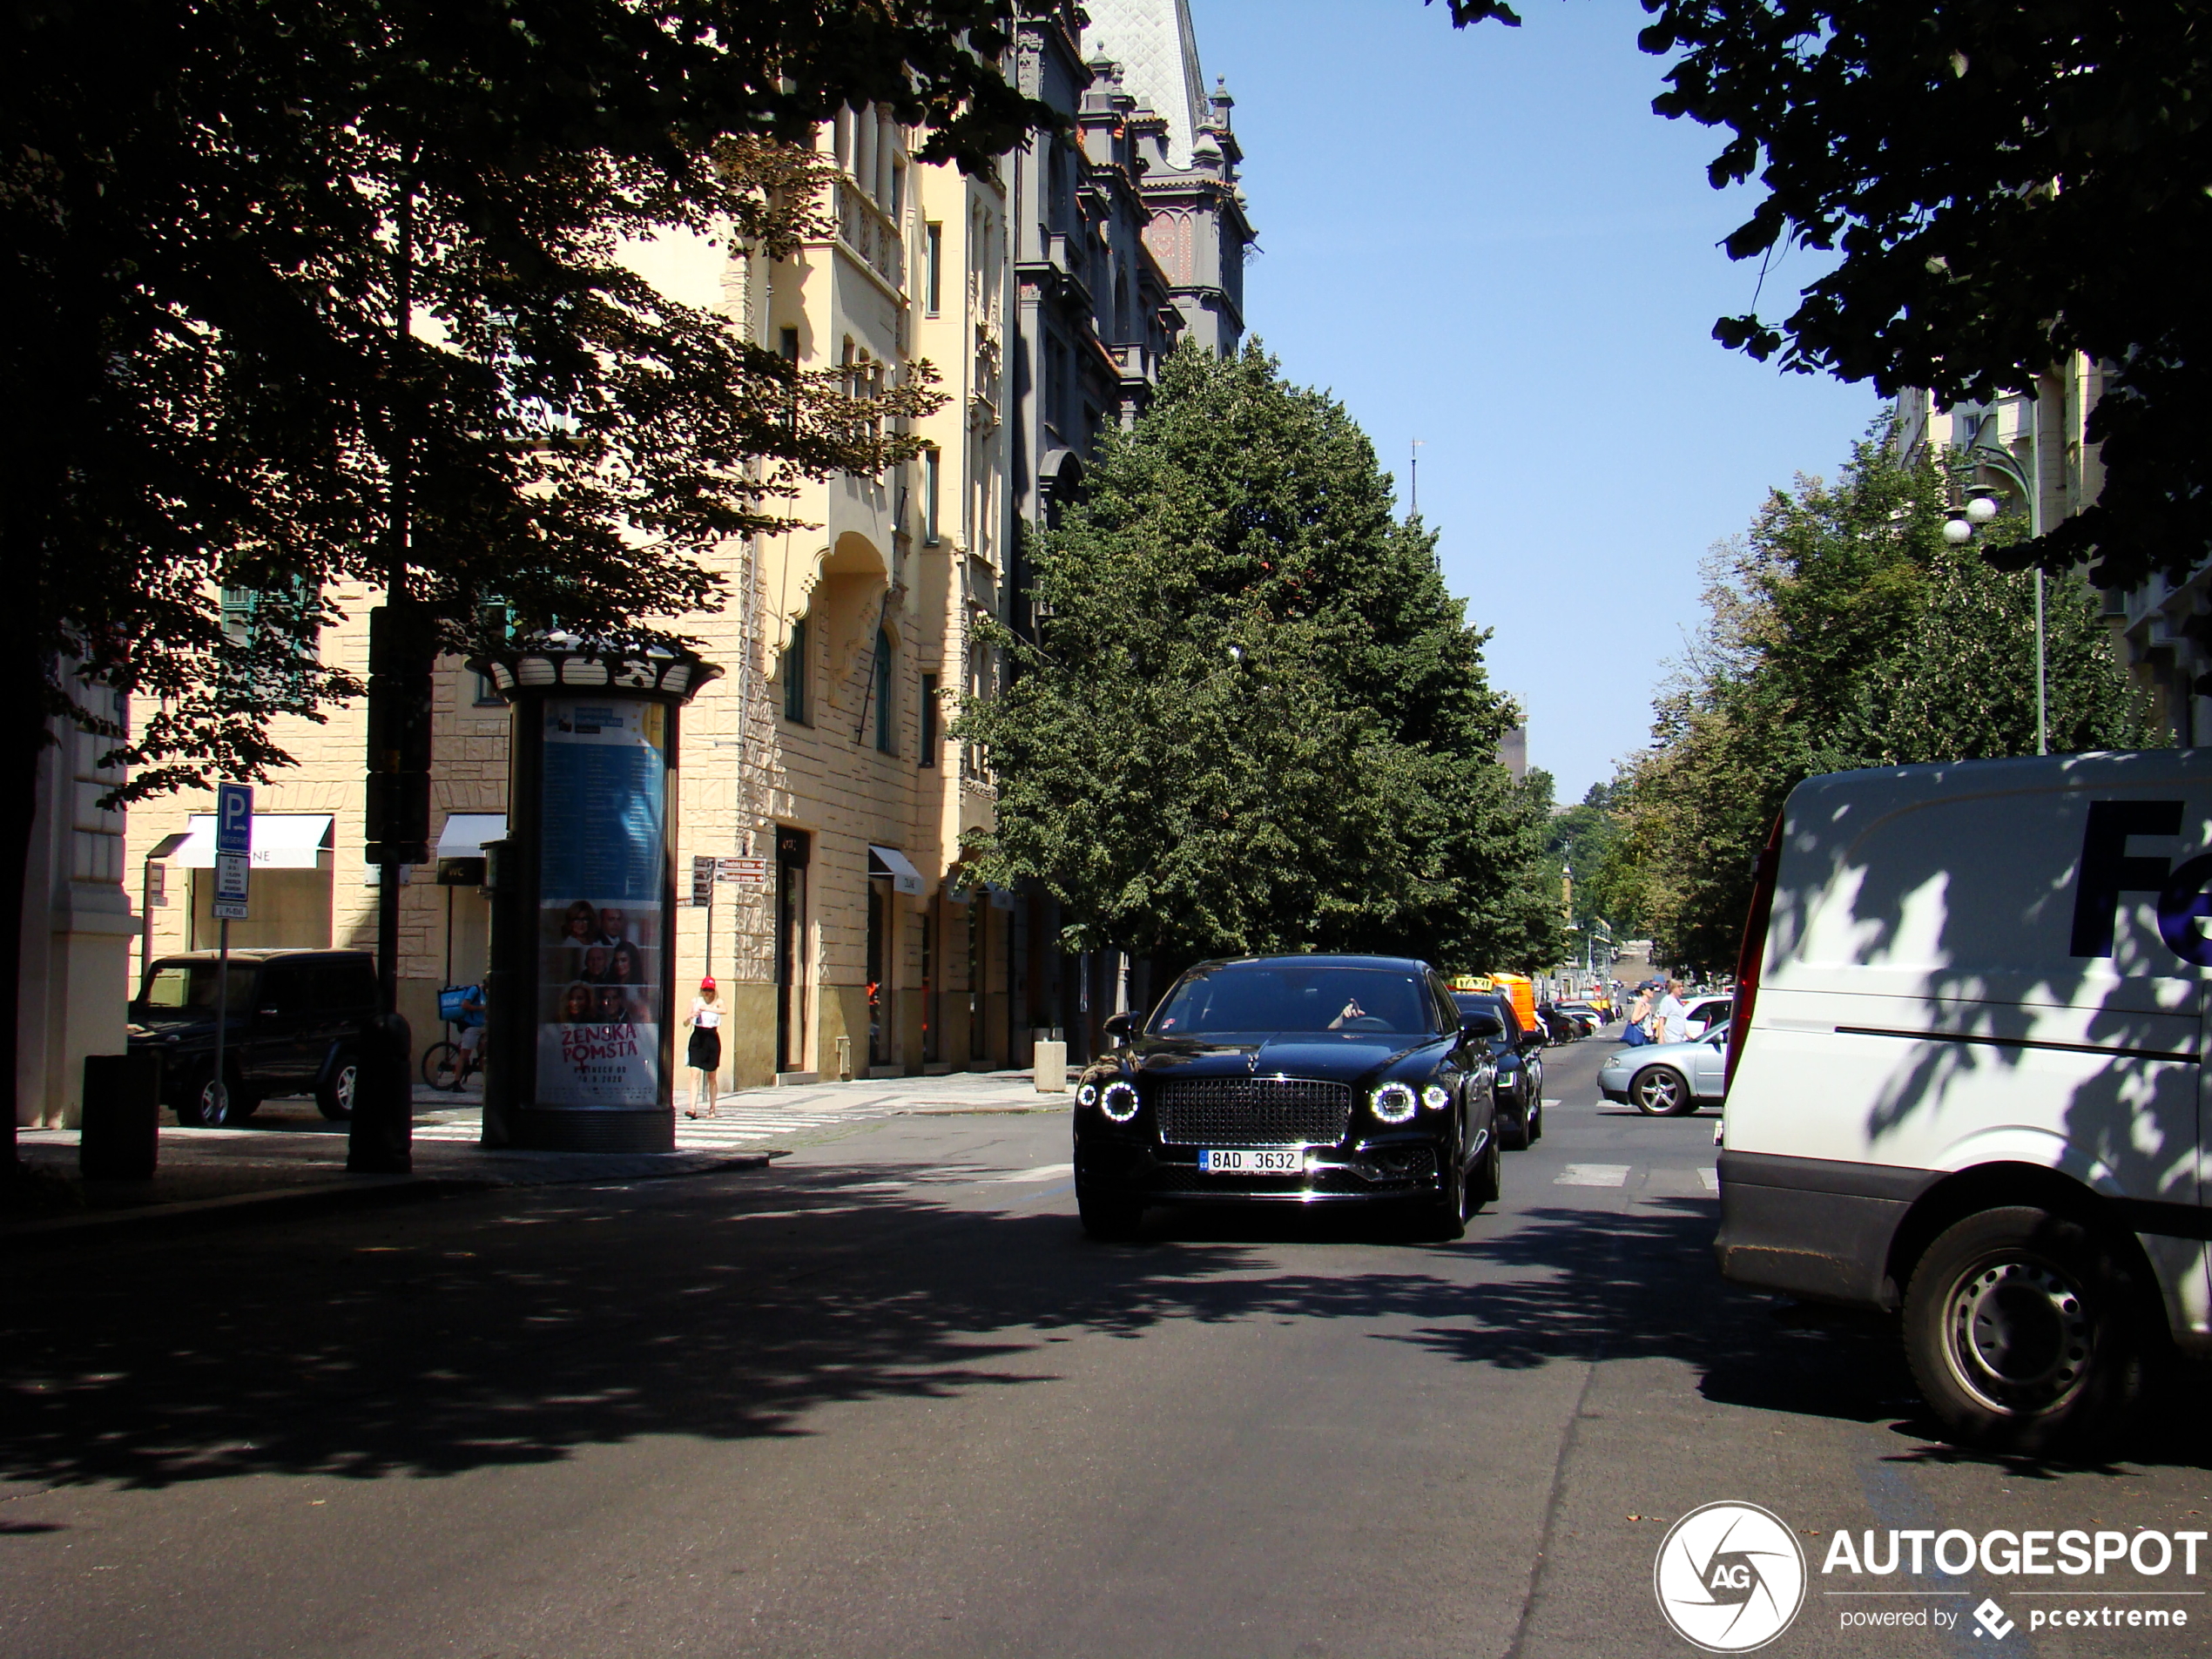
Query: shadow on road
{"points": [[518, 1329]]}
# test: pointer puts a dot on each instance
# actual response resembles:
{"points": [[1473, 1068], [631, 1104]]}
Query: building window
{"points": [[792, 669], [788, 344], [929, 720], [933, 271], [931, 472], [887, 734]]}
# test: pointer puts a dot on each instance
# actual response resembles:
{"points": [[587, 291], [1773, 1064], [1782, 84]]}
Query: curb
{"points": [[359, 1192]]}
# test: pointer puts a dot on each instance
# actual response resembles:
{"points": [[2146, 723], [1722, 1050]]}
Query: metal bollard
{"points": [[382, 1140], [120, 1138]]}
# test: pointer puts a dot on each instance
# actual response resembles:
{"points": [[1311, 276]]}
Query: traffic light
{"points": [[402, 645]]}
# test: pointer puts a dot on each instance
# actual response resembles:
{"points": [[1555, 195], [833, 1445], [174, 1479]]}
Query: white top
{"points": [[705, 1014]]}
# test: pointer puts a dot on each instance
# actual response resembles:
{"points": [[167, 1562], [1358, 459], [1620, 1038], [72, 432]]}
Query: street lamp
{"points": [[1978, 512]]}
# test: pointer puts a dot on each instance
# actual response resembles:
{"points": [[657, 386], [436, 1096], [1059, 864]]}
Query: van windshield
{"points": [[1286, 997], [189, 988]]}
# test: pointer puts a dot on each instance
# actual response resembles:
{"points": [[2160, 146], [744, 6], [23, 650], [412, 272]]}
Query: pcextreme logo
{"points": [[1730, 1577]]}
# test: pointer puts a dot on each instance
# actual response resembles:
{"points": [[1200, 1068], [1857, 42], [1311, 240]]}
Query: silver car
{"points": [[1668, 1079]]}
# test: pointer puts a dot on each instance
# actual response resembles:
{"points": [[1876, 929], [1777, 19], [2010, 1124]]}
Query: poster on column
{"points": [[601, 924]]}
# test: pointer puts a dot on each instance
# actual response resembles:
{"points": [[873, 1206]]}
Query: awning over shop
{"points": [[281, 841], [465, 833], [888, 861]]}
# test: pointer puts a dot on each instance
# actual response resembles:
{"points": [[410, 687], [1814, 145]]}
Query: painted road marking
{"points": [[1711, 1178], [1592, 1175]]}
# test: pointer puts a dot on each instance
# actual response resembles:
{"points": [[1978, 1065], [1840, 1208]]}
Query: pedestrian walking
{"points": [[1671, 1020], [704, 1055], [1636, 1033]]}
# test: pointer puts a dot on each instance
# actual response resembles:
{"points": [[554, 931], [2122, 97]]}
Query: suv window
{"points": [[346, 988], [189, 987], [284, 988]]}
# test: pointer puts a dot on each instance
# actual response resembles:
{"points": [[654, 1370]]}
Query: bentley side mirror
{"points": [[1120, 1027]]}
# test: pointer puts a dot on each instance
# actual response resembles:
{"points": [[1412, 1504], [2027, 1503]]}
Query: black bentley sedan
{"points": [[1296, 1079]]}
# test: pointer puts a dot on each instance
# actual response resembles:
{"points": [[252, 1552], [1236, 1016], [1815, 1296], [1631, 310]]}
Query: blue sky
{"points": [[1484, 238]]}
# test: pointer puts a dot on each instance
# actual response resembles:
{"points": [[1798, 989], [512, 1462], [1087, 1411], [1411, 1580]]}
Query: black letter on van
{"points": [[2106, 871]]}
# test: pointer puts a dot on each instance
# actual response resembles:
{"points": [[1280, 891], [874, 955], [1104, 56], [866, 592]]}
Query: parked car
{"points": [[1517, 1056], [1592, 1017], [1290, 1080], [1706, 1012], [1967, 1076], [1669, 1079], [294, 1024]]}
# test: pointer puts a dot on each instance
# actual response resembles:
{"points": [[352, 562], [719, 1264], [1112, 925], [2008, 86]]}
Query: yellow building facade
{"points": [[847, 647]]}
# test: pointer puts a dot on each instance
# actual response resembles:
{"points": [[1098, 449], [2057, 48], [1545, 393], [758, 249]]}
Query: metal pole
{"points": [[222, 1016], [2042, 701]]}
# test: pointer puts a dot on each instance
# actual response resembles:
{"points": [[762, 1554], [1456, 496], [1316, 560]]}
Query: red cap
{"points": [[707, 984]]}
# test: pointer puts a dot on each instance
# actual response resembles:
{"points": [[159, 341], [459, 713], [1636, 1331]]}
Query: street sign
{"points": [[234, 819], [233, 850], [744, 872], [702, 883]]}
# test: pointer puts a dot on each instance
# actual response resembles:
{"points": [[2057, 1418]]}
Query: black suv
{"points": [[294, 1028]]}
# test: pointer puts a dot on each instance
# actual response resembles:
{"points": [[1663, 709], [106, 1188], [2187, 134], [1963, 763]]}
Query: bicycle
{"points": [[448, 1065]]}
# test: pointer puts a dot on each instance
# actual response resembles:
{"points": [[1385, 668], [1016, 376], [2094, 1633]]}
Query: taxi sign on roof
{"points": [[1472, 982]]}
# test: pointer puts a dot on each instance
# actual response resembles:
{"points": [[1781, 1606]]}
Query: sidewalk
{"points": [[290, 1160]]}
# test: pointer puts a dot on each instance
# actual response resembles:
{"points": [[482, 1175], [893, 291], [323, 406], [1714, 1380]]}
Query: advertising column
{"points": [[587, 1066]]}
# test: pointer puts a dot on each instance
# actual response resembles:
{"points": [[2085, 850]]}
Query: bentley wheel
{"points": [[1446, 1216], [1488, 1179], [2020, 1326], [1661, 1092]]}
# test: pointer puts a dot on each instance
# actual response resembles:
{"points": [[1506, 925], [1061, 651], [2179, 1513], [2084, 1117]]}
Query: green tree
{"points": [[2005, 185], [1256, 720], [311, 296], [1845, 632]]}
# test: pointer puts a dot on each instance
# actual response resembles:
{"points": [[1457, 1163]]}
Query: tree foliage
{"points": [[306, 294], [2006, 185], [1256, 720], [1845, 632]]}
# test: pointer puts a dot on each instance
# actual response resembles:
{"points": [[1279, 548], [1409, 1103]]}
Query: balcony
{"points": [[869, 235]]}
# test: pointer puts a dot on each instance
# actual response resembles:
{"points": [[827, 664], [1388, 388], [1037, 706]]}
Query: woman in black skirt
{"points": [[704, 1056]]}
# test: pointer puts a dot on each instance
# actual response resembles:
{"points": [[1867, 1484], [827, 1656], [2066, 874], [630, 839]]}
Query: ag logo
{"points": [[1730, 1577]]}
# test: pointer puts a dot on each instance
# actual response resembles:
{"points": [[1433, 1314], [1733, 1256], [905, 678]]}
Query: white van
{"points": [[1967, 1077]]}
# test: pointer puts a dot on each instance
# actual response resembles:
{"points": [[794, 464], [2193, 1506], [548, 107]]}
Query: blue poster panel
{"points": [[603, 818]]}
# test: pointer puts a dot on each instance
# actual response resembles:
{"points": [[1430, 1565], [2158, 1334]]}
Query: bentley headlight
{"points": [[1436, 1097], [1395, 1102], [1087, 1095], [1119, 1102]]}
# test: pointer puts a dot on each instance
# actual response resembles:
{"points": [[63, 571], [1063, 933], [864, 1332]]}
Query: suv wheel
{"points": [[335, 1094], [2021, 1328], [204, 1106]]}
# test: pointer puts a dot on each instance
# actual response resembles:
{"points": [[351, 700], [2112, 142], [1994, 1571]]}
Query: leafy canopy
{"points": [[2006, 185], [309, 296], [1845, 632], [1255, 720]]}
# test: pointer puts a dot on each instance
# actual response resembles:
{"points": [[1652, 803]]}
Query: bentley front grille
{"points": [[1253, 1111]]}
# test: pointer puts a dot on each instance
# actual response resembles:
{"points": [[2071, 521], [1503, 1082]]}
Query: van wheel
{"points": [[2021, 1329], [1661, 1092], [335, 1094]]}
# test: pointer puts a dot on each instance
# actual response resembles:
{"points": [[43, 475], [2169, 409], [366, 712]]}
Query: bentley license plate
{"points": [[1253, 1160]]}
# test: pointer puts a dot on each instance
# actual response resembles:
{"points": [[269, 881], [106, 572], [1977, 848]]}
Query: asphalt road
{"points": [[884, 1399]]}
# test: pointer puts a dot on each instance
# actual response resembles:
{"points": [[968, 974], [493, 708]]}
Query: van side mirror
{"points": [[1120, 1027]]}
